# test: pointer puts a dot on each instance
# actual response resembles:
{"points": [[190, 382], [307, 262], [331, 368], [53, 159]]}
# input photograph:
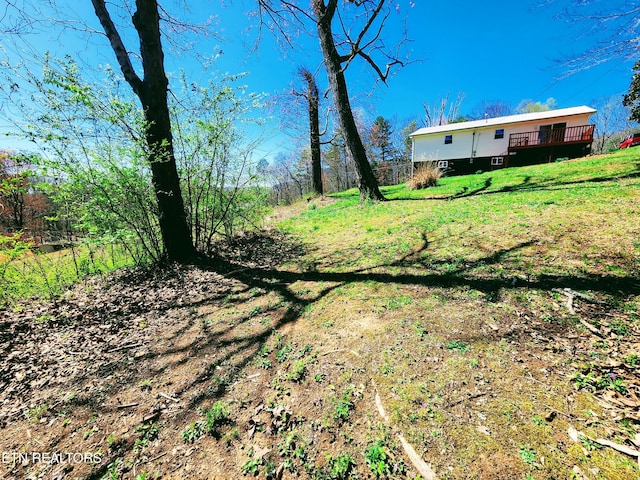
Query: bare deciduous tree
{"points": [[346, 32], [151, 90], [312, 97], [444, 112], [614, 26]]}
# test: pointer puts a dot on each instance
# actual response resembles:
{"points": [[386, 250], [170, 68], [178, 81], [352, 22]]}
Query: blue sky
{"points": [[488, 51]]}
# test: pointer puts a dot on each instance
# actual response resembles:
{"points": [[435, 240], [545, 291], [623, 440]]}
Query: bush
{"points": [[425, 176]]}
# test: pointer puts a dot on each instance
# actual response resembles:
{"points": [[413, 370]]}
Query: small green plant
{"points": [[145, 385], [283, 353], [89, 433], [113, 470], [379, 461], [528, 455], [396, 303], [344, 405], [340, 468], [264, 363], [619, 327], [633, 360], [589, 443], [193, 432], [292, 451], [298, 371], [251, 466], [458, 346], [420, 330], [216, 416], [34, 414], [318, 377], [593, 383], [538, 420]]}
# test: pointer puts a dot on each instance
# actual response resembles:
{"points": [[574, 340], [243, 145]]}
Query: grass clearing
{"points": [[491, 320], [35, 274]]}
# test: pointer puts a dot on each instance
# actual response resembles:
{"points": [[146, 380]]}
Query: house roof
{"points": [[520, 118]]}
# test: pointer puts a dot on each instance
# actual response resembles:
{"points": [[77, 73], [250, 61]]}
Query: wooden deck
{"points": [[582, 134]]}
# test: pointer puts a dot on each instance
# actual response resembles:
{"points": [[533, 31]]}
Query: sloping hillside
{"points": [[489, 325]]}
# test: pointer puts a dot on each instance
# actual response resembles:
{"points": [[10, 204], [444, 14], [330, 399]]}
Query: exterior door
{"points": [[557, 132]]}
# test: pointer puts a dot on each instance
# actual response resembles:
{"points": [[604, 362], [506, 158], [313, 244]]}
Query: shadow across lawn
{"points": [[526, 183], [229, 347]]}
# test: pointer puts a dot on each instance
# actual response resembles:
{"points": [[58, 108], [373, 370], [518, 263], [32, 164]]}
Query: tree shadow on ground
{"points": [[229, 347], [526, 185]]}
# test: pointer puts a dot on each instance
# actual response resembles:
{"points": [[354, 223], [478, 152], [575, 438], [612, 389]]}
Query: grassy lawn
{"points": [[490, 322]]}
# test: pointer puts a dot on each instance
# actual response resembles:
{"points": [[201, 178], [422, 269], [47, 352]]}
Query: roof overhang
{"points": [[506, 120]]}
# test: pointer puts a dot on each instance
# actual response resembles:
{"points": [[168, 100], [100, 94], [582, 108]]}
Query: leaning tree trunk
{"points": [[367, 183], [314, 130], [152, 92]]}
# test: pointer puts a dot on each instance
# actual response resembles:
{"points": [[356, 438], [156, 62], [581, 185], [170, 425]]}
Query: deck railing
{"points": [[555, 136]]}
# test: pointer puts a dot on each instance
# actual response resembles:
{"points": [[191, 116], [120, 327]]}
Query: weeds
{"points": [[340, 468], [343, 405], [528, 455], [458, 346], [214, 418], [380, 463], [427, 175]]}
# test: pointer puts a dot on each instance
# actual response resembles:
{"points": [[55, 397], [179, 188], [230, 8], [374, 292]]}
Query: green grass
{"points": [[33, 274], [486, 224], [431, 269]]}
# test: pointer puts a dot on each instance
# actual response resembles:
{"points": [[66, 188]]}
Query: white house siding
{"points": [[479, 140]]}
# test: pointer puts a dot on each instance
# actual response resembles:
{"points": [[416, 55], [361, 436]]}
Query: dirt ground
{"points": [[116, 379]]}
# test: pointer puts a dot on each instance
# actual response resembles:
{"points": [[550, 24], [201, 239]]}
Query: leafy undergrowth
{"points": [[490, 322]]}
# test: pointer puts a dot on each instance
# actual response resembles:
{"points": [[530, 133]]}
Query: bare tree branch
{"points": [[117, 45]]}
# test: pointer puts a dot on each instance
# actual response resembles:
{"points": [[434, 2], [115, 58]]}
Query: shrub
{"points": [[425, 176]]}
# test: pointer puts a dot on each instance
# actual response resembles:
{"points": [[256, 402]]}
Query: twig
{"points": [[128, 405], [124, 347], [591, 328], [154, 458], [340, 350], [620, 448], [168, 397], [471, 397], [423, 468], [573, 293]]}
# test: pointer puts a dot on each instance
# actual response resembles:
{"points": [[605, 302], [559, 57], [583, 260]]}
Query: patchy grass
{"points": [[491, 320]]}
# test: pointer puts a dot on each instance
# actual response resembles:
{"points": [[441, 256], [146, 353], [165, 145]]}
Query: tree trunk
{"points": [[152, 92], [367, 183], [314, 131]]}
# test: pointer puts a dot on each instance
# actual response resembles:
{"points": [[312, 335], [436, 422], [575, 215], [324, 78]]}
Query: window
{"points": [[443, 164], [499, 133], [497, 161], [448, 139]]}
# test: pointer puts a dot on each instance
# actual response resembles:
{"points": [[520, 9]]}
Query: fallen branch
{"points": [[591, 328], [127, 405], [424, 469], [583, 296], [168, 397], [154, 458], [620, 448]]}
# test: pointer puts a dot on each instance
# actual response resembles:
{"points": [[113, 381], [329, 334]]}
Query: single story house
{"points": [[513, 140]]}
